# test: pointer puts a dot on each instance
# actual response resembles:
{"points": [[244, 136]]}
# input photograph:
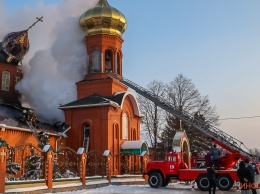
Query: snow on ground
{"points": [[170, 189]]}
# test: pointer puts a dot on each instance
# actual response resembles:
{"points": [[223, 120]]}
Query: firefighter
{"points": [[212, 178], [33, 119], [24, 118]]}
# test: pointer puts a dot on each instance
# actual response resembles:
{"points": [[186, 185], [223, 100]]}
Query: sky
{"points": [[216, 44]]}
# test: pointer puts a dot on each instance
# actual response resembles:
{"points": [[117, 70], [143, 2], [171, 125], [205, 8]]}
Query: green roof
{"points": [[136, 147]]}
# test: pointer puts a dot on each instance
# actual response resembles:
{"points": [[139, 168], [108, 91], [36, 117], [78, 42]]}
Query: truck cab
{"points": [[161, 172]]}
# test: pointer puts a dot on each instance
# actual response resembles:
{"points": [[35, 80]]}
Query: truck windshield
{"points": [[171, 158]]}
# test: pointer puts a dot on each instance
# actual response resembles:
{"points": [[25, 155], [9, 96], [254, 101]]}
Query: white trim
{"points": [[134, 103]]}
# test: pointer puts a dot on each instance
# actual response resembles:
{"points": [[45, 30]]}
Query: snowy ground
{"points": [[171, 188]]}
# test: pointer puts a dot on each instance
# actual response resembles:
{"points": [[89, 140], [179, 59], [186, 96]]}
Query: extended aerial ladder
{"points": [[226, 141]]}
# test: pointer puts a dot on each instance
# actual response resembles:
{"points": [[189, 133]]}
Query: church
{"points": [[105, 117]]}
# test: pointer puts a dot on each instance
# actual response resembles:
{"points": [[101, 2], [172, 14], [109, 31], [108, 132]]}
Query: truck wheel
{"points": [[203, 183], [155, 180], [165, 182], [224, 182]]}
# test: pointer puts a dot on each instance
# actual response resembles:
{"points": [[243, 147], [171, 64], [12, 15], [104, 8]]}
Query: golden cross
{"points": [[3, 154], [38, 19]]}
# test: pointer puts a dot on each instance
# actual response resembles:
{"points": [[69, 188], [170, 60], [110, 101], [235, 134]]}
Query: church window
{"points": [[95, 61], [86, 136], [17, 79], [5, 81], [125, 126], [108, 60]]}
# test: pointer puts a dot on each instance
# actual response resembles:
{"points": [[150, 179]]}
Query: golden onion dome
{"points": [[16, 44], [103, 19]]}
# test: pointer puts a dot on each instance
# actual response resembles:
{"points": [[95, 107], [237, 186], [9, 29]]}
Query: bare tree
{"points": [[183, 95], [152, 122]]}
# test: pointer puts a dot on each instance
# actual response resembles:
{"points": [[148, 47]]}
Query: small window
{"points": [[17, 79], [171, 159], [86, 136], [95, 61], [5, 86], [108, 60], [125, 126]]}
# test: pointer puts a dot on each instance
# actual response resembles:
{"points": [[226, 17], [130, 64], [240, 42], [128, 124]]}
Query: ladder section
{"points": [[86, 137], [86, 143], [33, 131], [211, 131]]}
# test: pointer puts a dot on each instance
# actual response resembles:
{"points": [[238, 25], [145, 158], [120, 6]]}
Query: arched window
{"points": [[108, 60], [125, 126], [5, 81], [95, 61], [86, 136]]}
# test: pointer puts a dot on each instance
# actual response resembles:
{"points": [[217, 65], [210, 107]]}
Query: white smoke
{"points": [[57, 57]]}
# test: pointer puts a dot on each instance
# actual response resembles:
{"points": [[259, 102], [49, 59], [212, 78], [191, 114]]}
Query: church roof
{"points": [[96, 100], [10, 117]]}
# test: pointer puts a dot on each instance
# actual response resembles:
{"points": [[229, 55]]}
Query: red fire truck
{"points": [[175, 164], [173, 167]]}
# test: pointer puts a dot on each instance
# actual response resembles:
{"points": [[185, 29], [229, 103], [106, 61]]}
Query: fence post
{"points": [[108, 166], [82, 166], [48, 165], [109, 174], [144, 161], [3, 157]]}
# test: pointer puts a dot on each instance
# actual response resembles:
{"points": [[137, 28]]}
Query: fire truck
{"points": [[174, 167], [177, 164]]}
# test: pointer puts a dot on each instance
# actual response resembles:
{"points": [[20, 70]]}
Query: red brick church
{"points": [[106, 115]]}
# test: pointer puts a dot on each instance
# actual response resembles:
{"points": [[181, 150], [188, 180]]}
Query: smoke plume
{"points": [[57, 57]]}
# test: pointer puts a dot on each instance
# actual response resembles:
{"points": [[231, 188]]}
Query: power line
{"points": [[251, 117]]}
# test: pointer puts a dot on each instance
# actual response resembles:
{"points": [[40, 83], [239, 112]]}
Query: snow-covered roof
{"points": [[132, 144]]}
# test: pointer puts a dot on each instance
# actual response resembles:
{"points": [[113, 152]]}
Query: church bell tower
{"points": [[104, 27], [105, 114]]}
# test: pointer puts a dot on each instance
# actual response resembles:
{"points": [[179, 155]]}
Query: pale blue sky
{"points": [[216, 44]]}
